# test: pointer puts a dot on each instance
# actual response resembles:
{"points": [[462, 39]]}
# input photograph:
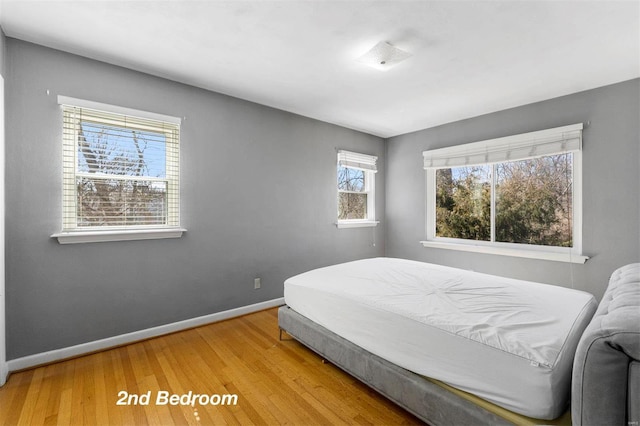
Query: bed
{"points": [[441, 341]]}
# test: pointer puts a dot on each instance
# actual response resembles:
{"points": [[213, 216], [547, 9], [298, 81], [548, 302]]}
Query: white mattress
{"points": [[508, 341]]}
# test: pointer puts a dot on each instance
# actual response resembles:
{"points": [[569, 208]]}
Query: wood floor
{"points": [[276, 382]]}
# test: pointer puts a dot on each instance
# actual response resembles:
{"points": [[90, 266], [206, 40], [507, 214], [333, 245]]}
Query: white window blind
{"points": [[354, 160], [119, 170], [511, 148]]}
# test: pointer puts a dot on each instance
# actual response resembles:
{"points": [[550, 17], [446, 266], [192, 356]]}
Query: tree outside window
{"points": [[527, 201], [352, 196]]}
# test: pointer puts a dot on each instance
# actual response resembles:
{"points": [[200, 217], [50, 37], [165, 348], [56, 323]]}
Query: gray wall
{"points": [[3, 357], [611, 185], [258, 199], [3, 53]]}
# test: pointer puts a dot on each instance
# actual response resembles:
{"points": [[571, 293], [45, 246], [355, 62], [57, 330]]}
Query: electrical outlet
{"points": [[256, 283]]}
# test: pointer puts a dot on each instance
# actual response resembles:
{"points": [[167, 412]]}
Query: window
{"points": [[356, 189], [120, 174], [518, 195]]}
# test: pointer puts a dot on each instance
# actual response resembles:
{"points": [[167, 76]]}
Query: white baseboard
{"points": [[4, 373], [123, 339]]}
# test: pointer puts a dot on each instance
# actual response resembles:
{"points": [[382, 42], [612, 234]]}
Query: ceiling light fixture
{"points": [[383, 56]]}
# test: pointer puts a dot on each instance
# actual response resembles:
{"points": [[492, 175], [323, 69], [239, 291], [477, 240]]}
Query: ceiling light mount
{"points": [[383, 56]]}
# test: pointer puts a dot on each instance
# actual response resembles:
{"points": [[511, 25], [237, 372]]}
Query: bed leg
{"points": [[285, 332]]}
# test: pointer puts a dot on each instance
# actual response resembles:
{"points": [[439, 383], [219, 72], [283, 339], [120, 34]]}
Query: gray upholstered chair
{"points": [[606, 369]]}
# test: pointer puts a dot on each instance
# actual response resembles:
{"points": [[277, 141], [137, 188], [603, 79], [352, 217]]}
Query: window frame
{"points": [[563, 254], [367, 164], [72, 233]]}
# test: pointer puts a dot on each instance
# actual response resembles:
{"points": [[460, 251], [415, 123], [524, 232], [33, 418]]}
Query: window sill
{"points": [[76, 237], [356, 223], [508, 251]]}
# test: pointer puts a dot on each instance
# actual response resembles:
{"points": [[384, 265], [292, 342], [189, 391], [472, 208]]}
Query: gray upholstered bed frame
{"points": [[606, 375], [426, 400]]}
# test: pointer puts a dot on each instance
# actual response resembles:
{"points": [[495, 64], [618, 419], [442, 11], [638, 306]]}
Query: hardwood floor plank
{"points": [[64, 411], [88, 389], [275, 382], [15, 395], [77, 411], [54, 375], [249, 413], [165, 376], [31, 398], [329, 413], [114, 383], [40, 409]]}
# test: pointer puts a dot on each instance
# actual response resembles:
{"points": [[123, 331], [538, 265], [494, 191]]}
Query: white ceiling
{"points": [[468, 57]]}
